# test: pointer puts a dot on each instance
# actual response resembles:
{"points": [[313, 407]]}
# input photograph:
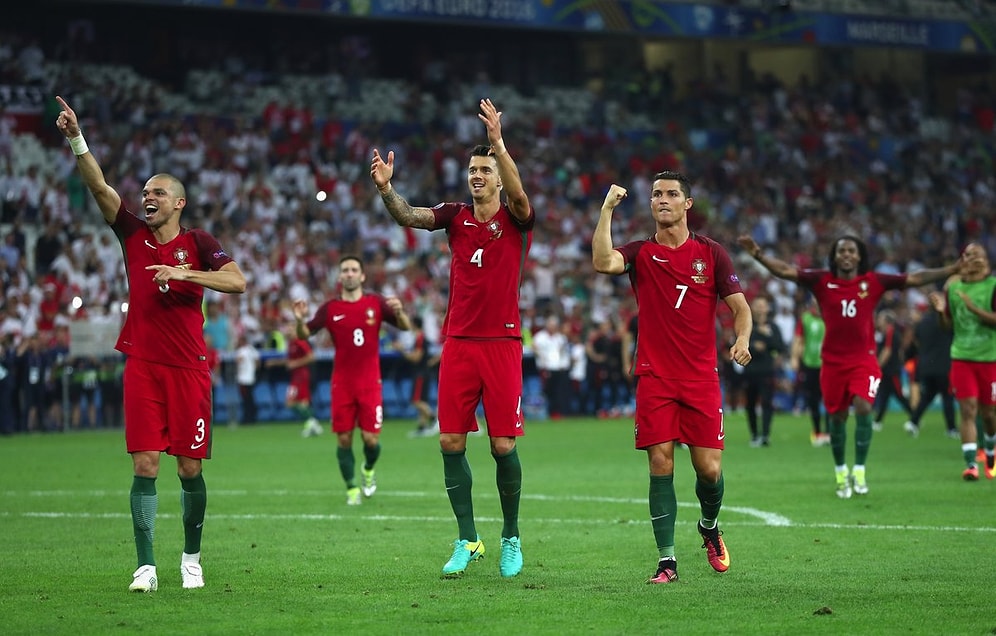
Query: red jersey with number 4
{"points": [[166, 327], [355, 331], [486, 265], [677, 290], [848, 310]]}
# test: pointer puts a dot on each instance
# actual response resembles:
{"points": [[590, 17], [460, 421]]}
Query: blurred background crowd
{"points": [[270, 122]]}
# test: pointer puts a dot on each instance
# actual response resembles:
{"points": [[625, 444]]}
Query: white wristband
{"points": [[78, 144]]}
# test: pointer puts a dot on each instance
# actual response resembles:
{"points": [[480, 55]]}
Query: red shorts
{"points": [[353, 407], [167, 409], [973, 380], [299, 393], [474, 370], [840, 384], [675, 410]]}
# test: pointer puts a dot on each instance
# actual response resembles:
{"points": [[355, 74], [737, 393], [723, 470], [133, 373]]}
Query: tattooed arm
{"points": [[407, 216]]}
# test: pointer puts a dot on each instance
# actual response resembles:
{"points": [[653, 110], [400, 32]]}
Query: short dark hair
{"points": [[862, 254], [482, 151], [352, 257], [683, 182]]}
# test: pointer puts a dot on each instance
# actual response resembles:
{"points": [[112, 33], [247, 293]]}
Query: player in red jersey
{"points": [[298, 364], [482, 352], [353, 321], [847, 294], [167, 380], [677, 277]]}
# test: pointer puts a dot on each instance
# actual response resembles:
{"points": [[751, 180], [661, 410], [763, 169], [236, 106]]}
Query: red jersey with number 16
{"points": [[677, 290], [486, 264], [848, 310], [165, 327]]}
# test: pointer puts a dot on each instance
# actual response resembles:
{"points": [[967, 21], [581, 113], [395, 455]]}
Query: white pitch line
{"points": [[448, 519]]}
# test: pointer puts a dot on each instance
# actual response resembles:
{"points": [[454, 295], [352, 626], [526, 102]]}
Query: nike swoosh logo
{"points": [[660, 517], [338, 318], [150, 244], [721, 437], [196, 446], [452, 487], [659, 260], [466, 222], [832, 285]]}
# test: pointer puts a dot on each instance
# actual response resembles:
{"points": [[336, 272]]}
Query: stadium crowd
{"points": [[285, 186]]}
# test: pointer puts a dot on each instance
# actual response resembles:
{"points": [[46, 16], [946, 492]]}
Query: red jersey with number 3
{"points": [[355, 331], [848, 310], [677, 290], [486, 265], [166, 327]]}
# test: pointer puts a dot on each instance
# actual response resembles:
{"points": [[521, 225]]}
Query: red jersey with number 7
{"points": [[848, 310], [677, 290]]}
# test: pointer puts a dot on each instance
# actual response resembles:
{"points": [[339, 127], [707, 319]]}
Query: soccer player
{"points": [[298, 397], [968, 307], [677, 277], [481, 358], [423, 370], [806, 362], [847, 294], [933, 354], [167, 401], [354, 321]]}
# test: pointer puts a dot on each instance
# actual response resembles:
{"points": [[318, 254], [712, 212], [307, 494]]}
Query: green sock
{"points": [[370, 454], [838, 440], [968, 451], [508, 476], [663, 510], [144, 503], [347, 465], [193, 502], [862, 438], [302, 411], [710, 497], [459, 483]]}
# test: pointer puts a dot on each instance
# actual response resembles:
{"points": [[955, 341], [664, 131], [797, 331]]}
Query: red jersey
{"points": [[677, 290], [299, 348], [848, 310], [355, 331], [486, 267], [165, 327]]}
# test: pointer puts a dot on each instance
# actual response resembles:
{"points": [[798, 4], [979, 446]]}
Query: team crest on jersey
{"points": [[495, 228], [371, 317], [180, 254], [698, 271], [863, 289]]}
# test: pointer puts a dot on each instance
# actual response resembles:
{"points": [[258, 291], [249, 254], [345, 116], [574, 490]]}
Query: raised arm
{"points": [[107, 197], [381, 172], [777, 267], [515, 195], [926, 276], [604, 258]]}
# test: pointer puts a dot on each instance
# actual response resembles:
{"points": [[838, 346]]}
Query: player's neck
{"points": [[672, 236], [484, 211], [351, 296]]}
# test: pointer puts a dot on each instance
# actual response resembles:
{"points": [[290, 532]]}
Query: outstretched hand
{"points": [[491, 117], [381, 171], [749, 244], [67, 122]]}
